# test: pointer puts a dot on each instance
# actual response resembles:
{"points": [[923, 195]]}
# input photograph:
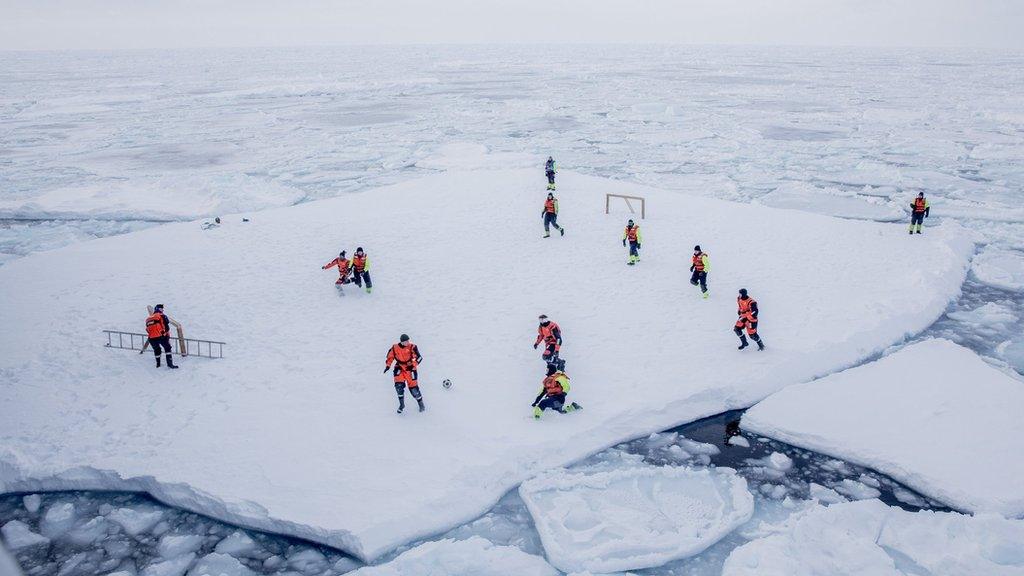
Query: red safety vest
{"points": [[746, 308], [632, 232], [552, 386], [919, 204], [698, 262], [549, 205], [359, 262], [155, 325]]}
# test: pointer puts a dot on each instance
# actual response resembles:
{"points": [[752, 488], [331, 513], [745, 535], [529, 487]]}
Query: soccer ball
{"points": [[446, 383]]}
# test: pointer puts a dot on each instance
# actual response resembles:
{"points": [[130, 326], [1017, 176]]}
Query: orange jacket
{"points": [[359, 263], [342, 264], [747, 309], [698, 262], [552, 387], [407, 356], [920, 204], [550, 334], [156, 325], [631, 233]]}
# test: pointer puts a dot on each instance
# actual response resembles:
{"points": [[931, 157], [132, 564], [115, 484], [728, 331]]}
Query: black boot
{"points": [[401, 404], [158, 361], [743, 343], [170, 363], [423, 407], [760, 344]]}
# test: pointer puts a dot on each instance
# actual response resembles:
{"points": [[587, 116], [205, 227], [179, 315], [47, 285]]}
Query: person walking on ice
{"points": [[919, 210], [746, 308], [700, 267], [550, 334], [552, 393], [361, 270], [158, 329], [549, 171], [406, 357], [344, 266], [632, 235], [550, 216]]}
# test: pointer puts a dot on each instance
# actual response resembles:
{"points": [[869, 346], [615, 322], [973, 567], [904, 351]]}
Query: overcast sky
{"points": [[45, 24]]}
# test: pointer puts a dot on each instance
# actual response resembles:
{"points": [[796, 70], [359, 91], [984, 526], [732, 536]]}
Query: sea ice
{"points": [[474, 556], [634, 517], [1000, 268], [219, 565], [173, 567], [856, 490], [932, 416], [990, 313], [88, 532], [58, 519], [868, 537], [32, 503], [172, 546], [18, 535], [832, 202], [239, 545], [136, 521], [249, 438]]}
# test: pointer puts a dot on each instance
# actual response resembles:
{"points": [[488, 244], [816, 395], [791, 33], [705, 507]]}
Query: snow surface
{"points": [[999, 268], [833, 202], [474, 556], [870, 538], [634, 518], [933, 416], [295, 431]]}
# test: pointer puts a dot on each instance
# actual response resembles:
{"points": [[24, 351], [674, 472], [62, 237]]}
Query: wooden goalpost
{"points": [[643, 203]]}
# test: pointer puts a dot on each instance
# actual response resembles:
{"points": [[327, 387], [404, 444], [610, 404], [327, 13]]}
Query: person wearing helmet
{"points": [[344, 266], [361, 270], [549, 171], [550, 216], [553, 390], [632, 235], [746, 308], [550, 334], [158, 330], [406, 358], [919, 210], [700, 266]]}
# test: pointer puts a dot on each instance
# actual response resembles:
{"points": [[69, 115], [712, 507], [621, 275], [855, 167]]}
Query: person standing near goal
{"points": [[550, 216], [158, 329], [632, 235]]}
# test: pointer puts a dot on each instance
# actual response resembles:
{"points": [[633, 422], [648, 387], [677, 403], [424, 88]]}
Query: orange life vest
{"points": [[155, 325], [551, 385], [404, 356], [359, 262], [698, 262], [549, 205], [919, 204], [631, 233], [547, 333], [342, 264], [746, 308]]}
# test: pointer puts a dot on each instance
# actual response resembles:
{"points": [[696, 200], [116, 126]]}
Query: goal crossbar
{"points": [[643, 203]]}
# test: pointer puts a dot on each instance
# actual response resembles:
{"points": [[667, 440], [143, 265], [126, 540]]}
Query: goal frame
{"points": [[643, 204]]}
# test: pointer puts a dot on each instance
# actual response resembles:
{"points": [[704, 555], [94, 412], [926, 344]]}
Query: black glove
{"points": [[535, 344], [691, 268], [386, 368], [637, 245], [623, 242], [927, 212]]}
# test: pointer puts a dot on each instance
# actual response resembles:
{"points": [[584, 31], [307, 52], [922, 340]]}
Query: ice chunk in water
{"points": [[172, 546], [219, 565], [136, 521], [474, 556], [999, 268], [18, 535], [855, 490], [635, 517], [238, 544], [307, 561], [58, 519], [32, 503], [174, 567], [89, 532]]}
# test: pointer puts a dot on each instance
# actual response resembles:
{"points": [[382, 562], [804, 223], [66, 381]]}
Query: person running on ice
{"points": [[158, 329], [344, 266], [361, 270], [407, 358], [746, 308], [632, 234], [700, 268], [549, 333], [549, 171], [550, 216], [552, 393], [919, 211]]}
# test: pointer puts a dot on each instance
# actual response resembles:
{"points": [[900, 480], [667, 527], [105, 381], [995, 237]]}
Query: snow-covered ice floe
{"points": [[295, 431], [933, 416], [868, 537], [474, 555], [999, 268], [832, 202], [636, 517]]}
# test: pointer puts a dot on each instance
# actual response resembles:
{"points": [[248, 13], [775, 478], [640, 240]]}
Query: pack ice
{"points": [[933, 416], [868, 537], [295, 431], [636, 517]]}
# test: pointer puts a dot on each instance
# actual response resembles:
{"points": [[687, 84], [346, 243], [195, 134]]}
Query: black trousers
{"points": [[551, 177], [555, 402], [156, 343], [360, 277], [700, 278], [917, 218], [550, 219]]}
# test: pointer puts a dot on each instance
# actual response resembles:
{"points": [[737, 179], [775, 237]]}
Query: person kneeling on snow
{"points": [[552, 393]]}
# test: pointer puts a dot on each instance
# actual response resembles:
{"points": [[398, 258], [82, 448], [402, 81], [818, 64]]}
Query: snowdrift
{"points": [[869, 537], [296, 432], [933, 416], [633, 518]]}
